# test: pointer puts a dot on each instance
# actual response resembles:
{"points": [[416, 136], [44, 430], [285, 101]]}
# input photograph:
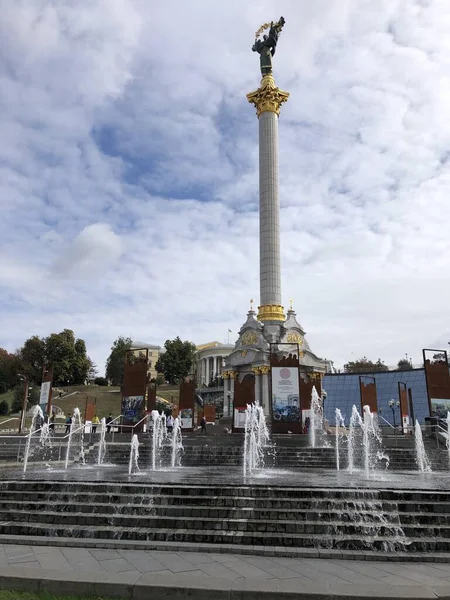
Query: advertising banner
{"points": [[45, 394], [186, 418], [439, 407], [285, 394], [132, 408], [239, 418]]}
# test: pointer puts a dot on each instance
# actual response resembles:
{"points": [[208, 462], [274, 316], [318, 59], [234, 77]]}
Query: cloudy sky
{"points": [[129, 183]]}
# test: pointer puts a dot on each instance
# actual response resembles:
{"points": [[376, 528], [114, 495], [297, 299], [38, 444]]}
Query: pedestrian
{"points": [[203, 425], [169, 424], [95, 422], [68, 425], [51, 426], [109, 420]]}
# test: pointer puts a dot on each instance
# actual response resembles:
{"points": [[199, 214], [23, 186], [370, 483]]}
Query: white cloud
{"points": [[128, 170]]}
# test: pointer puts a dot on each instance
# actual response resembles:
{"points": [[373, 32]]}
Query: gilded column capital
{"points": [[256, 370], [315, 375], [232, 374], [225, 375], [268, 97], [271, 312], [264, 370]]}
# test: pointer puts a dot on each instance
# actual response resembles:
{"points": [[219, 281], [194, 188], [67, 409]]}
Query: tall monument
{"points": [[247, 374], [268, 100]]}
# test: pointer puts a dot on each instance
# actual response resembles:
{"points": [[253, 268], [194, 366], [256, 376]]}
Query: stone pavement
{"points": [[160, 574]]}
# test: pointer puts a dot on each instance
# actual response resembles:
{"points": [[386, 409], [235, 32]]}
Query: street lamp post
{"points": [[393, 404], [23, 378]]}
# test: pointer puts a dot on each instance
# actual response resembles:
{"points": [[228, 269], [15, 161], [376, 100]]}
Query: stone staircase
{"points": [[258, 519]]}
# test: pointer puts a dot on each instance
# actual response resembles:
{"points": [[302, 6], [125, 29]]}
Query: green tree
{"points": [[81, 364], [102, 381], [176, 362], [60, 353], [115, 361], [10, 366], [19, 391], [32, 355], [364, 365], [404, 364]]}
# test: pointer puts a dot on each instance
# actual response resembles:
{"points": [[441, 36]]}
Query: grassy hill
{"points": [[106, 399]]}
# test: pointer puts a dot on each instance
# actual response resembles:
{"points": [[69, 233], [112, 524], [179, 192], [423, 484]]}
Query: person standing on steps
{"points": [[169, 424], [51, 426], [95, 422], [203, 425], [109, 420], [68, 424]]}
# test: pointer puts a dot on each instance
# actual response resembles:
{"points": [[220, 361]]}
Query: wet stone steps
{"points": [[260, 516]]}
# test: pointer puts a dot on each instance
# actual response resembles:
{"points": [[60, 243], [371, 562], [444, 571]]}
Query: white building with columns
{"points": [[209, 361]]}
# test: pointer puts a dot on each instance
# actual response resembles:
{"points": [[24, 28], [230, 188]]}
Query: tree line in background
{"points": [[174, 364], [364, 365], [63, 351]]}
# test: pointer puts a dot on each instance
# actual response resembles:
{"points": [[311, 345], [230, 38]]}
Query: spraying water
{"points": [[36, 422], [177, 444], [367, 425], [102, 444], [421, 456], [159, 435], [354, 437], [448, 436], [316, 421], [340, 423], [76, 437], [134, 455], [256, 438]]}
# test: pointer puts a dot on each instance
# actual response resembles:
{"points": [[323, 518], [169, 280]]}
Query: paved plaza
{"points": [[161, 574]]}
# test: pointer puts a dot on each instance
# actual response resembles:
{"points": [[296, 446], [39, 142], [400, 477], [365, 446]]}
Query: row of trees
{"points": [[364, 365], [63, 351], [174, 364]]}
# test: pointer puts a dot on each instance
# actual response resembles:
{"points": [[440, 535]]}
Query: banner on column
{"points": [[285, 394], [239, 418], [45, 395]]}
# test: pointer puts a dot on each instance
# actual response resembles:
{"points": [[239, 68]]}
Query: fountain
{"points": [[36, 424], [421, 456], [364, 435], [134, 455], [76, 428], [316, 421], [177, 443], [102, 444], [159, 435], [340, 422], [354, 435], [256, 438], [448, 437]]}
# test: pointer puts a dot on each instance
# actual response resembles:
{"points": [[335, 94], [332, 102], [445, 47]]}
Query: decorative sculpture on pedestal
{"points": [[267, 46]]}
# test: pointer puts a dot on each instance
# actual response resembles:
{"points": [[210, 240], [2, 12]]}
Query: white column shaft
{"points": [[269, 210]]}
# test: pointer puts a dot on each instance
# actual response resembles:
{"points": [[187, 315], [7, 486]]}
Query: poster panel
{"points": [[45, 394], [186, 418], [285, 394], [439, 407], [239, 418], [132, 408]]}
